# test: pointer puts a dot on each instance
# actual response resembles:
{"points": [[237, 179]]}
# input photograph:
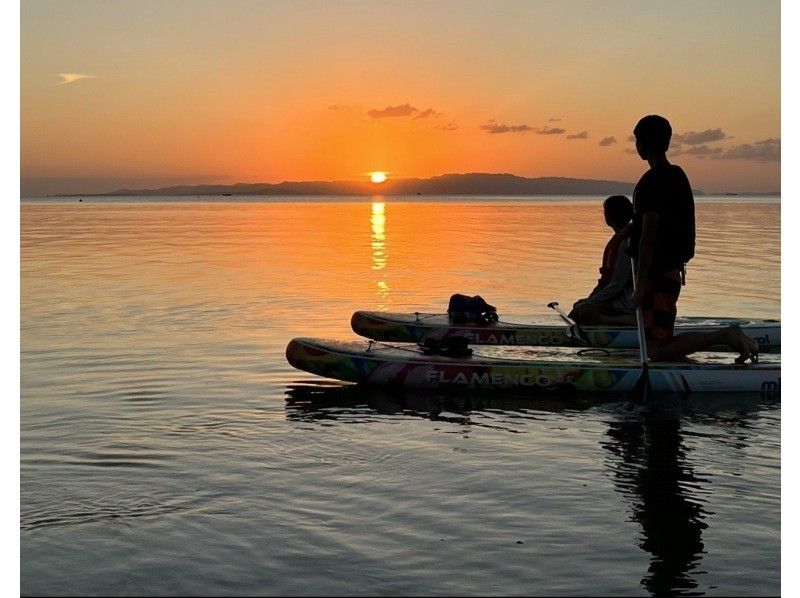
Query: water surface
{"points": [[168, 448]]}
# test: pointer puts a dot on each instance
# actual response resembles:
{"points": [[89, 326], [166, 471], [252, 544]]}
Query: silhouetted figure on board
{"points": [[662, 241], [610, 301]]}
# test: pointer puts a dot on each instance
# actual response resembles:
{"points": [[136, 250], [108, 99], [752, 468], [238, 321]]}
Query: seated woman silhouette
{"points": [[610, 301]]}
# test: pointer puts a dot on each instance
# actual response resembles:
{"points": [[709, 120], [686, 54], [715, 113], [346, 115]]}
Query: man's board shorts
{"points": [[660, 304]]}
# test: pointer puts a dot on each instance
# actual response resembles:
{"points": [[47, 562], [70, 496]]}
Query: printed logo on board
{"points": [[487, 379]]}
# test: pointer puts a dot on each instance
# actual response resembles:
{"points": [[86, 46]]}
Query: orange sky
{"points": [[146, 93]]}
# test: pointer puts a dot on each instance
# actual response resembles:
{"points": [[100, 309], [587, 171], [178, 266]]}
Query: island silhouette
{"points": [[476, 183]]}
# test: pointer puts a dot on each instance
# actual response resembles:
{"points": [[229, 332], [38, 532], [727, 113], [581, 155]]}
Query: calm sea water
{"points": [[167, 448]]}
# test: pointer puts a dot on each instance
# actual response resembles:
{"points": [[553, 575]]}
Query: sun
{"points": [[377, 177]]}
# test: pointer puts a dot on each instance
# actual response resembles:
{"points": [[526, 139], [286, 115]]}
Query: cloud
{"points": [[554, 120], [606, 141], [767, 150], [494, 127], [447, 127], [346, 109], [67, 78], [696, 138], [553, 131], [393, 111], [427, 113], [701, 151], [629, 150], [692, 137], [581, 135]]}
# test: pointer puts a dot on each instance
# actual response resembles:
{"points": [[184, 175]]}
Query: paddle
{"points": [[575, 330], [642, 386]]}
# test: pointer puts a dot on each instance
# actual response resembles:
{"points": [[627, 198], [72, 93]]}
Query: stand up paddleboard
{"points": [[545, 330], [539, 369]]}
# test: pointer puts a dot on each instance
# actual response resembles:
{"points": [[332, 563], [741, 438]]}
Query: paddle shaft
{"points": [[640, 323], [578, 333]]}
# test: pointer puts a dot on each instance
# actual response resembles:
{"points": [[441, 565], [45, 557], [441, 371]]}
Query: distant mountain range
{"points": [[447, 184]]}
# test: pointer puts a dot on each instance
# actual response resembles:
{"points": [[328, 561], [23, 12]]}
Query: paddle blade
{"points": [[642, 390]]}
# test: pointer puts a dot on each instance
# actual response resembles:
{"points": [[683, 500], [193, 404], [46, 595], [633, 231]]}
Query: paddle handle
{"points": [[575, 330], [561, 312]]}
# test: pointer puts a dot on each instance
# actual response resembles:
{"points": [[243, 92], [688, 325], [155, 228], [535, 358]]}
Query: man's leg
{"points": [[682, 345], [659, 309]]}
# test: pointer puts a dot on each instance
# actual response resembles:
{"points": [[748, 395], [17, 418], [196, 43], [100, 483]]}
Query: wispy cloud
{"points": [[703, 151], [581, 135], [346, 109], [447, 127], [67, 78], [554, 120], [430, 112], [606, 141], [698, 137], [767, 150], [393, 111], [693, 137], [494, 127]]}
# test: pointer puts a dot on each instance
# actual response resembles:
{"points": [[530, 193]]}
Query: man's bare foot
{"points": [[738, 340]]}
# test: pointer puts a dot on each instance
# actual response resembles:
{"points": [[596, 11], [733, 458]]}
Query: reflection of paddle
{"points": [[642, 387], [574, 330]]}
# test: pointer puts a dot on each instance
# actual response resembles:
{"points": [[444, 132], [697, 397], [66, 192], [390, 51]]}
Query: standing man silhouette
{"points": [[662, 241]]}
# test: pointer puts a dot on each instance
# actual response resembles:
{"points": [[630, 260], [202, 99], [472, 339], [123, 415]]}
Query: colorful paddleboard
{"points": [[540, 369], [547, 330]]}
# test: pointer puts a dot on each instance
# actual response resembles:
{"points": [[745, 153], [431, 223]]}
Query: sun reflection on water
{"points": [[378, 222]]}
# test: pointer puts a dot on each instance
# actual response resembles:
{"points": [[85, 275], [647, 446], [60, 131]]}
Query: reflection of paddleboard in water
{"points": [[540, 368]]}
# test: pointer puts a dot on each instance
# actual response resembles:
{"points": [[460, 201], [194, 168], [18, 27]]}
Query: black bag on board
{"points": [[464, 309]]}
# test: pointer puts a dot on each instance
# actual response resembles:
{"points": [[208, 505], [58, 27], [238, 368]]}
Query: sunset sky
{"points": [[153, 93]]}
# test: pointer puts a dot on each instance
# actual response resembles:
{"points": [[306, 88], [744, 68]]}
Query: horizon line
{"points": [[363, 184]]}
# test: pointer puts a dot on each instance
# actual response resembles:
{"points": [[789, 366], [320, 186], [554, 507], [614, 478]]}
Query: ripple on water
{"points": [[71, 512], [167, 448]]}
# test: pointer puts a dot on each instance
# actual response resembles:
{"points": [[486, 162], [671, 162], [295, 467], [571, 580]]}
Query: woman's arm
{"points": [[620, 279]]}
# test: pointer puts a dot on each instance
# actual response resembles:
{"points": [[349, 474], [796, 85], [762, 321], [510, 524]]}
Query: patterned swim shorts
{"points": [[659, 304]]}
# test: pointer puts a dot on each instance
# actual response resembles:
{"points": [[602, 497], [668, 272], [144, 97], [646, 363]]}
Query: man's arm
{"points": [[646, 247]]}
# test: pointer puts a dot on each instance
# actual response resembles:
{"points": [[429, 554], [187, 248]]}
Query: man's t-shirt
{"points": [[665, 189]]}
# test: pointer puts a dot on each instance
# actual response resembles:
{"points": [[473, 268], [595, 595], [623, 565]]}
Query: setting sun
{"points": [[377, 177]]}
